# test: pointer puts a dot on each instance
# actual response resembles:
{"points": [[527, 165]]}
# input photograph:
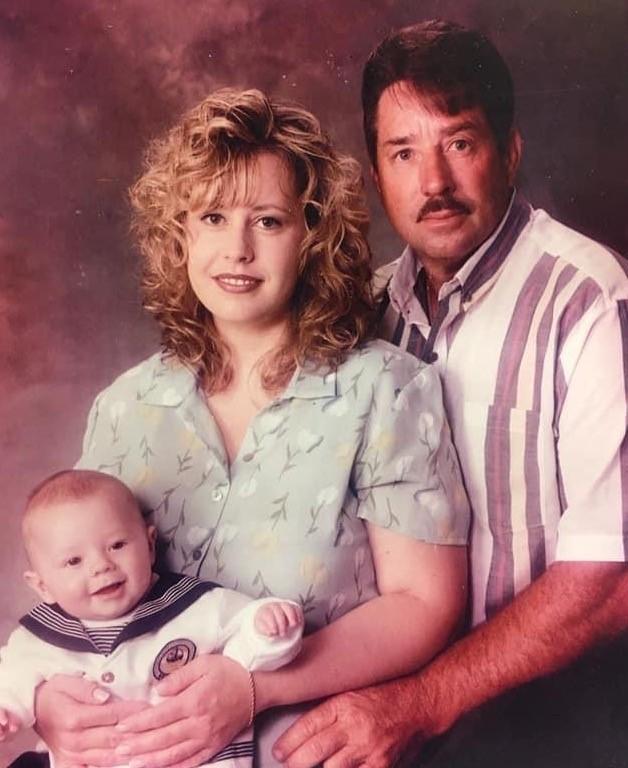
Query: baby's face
{"points": [[91, 556]]}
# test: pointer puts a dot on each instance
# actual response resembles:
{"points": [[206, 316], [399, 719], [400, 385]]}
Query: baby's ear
{"points": [[36, 583], [151, 532]]}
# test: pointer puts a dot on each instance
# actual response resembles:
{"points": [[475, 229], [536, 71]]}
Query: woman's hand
{"points": [[206, 703], [75, 717], [9, 724]]}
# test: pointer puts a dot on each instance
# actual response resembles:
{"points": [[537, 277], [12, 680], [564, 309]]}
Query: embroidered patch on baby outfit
{"points": [[173, 656]]}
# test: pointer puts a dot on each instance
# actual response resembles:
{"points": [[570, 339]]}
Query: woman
{"points": [[278, 451]]}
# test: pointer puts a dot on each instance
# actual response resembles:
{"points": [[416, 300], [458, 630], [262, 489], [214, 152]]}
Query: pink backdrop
{"points": [[85, 83]]}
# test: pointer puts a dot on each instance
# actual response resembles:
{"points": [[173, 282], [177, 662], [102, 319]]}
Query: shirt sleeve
{"points": [[102, 448], [243, 643], [406, 474], [23, 666], [112, 442], [592, 447]]}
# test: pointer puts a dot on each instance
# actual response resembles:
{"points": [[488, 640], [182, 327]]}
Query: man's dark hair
{"points": [[455, 67]]}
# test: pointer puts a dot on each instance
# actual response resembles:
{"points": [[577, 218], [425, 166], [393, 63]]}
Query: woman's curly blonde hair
{"points": [[333, 308]]}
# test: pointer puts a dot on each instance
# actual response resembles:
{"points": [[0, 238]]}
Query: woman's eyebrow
{"points": [[268, 206]]}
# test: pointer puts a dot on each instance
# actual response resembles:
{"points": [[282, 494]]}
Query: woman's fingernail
{"points": [[123, 750], [135, 763], [121, 727], [100, 695]]}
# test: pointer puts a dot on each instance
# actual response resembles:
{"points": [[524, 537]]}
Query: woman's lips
{"points": [[237, 283]]}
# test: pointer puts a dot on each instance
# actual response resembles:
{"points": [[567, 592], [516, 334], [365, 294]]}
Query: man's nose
{"points": [[435, 174], [239, 246]]}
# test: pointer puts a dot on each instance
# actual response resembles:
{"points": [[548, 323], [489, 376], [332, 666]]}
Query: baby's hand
{"points": [[277, 619], [9, 724]]}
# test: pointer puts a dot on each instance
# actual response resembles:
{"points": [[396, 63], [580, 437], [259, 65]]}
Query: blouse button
{"points": [[197, 554], [107, 677], [217, 494]]}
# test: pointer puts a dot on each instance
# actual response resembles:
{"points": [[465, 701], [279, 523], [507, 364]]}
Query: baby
{"points": [[108, 616]]}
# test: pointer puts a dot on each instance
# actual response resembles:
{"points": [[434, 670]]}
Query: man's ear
{"points": [[151, 532], [36, 583], [375, 177], [513, 155]]}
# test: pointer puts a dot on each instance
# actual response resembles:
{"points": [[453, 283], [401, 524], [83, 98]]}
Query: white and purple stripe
{"points": [[531, 338]]}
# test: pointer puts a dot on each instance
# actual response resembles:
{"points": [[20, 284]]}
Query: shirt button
{"points": [[107, 677], [197, 554], [217, 494]]}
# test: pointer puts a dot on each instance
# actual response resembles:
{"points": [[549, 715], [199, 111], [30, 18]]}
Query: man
{"points": [[528, 324]]}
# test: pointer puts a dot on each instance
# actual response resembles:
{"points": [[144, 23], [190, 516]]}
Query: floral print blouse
{"points": [[366, 442]]}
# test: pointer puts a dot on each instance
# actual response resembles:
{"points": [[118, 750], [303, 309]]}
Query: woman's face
{"points": [[243, 257]]}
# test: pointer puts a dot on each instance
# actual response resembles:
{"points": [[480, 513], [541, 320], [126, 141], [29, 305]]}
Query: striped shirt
{"points": [[531, 340]]}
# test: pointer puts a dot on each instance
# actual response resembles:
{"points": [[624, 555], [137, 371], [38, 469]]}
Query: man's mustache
{"points": [[442, 203]]}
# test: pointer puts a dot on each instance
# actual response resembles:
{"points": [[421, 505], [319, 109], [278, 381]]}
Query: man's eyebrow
{"points": [[398, 141], [464, 125], [449, 130]]}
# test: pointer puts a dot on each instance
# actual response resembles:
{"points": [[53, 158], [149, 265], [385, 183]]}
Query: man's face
{"points": [[443, 182]]}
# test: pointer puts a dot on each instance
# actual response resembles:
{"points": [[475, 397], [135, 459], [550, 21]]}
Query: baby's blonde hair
{"points": [[72, 485]]}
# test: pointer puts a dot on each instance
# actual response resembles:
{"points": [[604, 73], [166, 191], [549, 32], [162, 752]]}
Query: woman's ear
{"points": [[311, 215], [36, 583]]}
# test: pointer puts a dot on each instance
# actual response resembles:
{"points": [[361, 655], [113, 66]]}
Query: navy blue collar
{"points": [[169, 596]]}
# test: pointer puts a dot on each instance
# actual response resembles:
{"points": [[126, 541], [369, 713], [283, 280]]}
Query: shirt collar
{"points": [[478, 271], [169, 383], [307, 384], [467, 268], [168, 597]]}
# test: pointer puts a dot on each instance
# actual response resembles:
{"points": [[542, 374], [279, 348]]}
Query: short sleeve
{"points": [[102, 448], [592, 447], [93, 422], [406, 475]]}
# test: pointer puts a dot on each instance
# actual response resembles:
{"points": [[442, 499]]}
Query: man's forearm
{"points": [[568, 610]]}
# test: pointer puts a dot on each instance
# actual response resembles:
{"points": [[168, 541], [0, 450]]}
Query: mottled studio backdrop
{"points": [[85, 83]]}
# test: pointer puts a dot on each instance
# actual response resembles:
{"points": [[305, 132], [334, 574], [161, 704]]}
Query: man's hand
{"points": [[205, 704], [583, 603], [75, 717], [371, 727]]}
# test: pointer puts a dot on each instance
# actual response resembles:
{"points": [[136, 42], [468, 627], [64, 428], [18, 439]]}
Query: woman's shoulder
{"points": [[377, 357], [157, 380], [380, 371]]}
